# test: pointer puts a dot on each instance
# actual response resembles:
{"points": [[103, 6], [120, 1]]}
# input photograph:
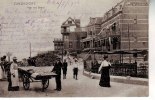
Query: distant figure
{"points": [[33, 62], [57, 69], [1, 69], [24, 62], [6, 66], [64, 69], [69, 60], [104, 69], [75, 70], [13, 79]]}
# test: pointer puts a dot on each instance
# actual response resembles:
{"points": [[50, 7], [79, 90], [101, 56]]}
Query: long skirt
{"points": [[105, 78]]}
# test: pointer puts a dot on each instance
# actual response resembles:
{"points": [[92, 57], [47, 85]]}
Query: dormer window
{"points": [[69, 22], [120, 7]]}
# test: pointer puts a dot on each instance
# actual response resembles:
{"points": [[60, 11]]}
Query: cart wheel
{"points": [[45, 84], [26, 82]]}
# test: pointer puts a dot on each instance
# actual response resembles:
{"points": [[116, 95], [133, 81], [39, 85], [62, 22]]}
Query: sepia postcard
{"points": [[74, 48]]}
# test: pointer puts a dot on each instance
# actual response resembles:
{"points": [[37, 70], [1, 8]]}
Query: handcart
{"points": [[36, 74]]}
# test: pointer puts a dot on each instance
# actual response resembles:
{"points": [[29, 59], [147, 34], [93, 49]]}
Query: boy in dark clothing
{"points": [[64, 69]]}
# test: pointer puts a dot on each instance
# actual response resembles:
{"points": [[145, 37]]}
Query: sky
{"points": [[38, 22]]}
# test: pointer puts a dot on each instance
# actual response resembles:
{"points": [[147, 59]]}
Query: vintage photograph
{"points": [[74, 48]]}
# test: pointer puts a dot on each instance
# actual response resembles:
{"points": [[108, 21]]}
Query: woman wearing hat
{"points": [[14, 83], [104, 69]]}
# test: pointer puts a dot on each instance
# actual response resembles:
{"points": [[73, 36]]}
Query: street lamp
{"points": [[62, 47], [30, 49]]}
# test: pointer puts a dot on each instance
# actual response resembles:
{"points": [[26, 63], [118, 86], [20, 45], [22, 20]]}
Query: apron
{"points": [[14, 74]]}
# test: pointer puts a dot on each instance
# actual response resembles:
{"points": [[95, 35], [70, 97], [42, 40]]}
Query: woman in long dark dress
{"points": [[104, 69]]}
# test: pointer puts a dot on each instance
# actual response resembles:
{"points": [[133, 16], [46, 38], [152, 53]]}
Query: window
{"points": [[120, 7], [113, 27], [69, 22], [90, 33], [116, 43], [70, 44], [66, 37]]}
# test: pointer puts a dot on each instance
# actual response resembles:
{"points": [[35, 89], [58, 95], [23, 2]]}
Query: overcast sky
{"points": [[39, 22]]}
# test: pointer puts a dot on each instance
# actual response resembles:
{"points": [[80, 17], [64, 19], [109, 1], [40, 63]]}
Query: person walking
{"points": [[104, 70], [64, 69], [75, 70], [13, 76], [57, 69]]}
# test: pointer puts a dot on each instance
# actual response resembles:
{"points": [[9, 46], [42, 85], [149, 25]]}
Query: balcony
{"points": [[65, 31]]}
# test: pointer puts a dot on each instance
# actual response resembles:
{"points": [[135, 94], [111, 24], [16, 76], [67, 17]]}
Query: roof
{"points": [[76, 22]]}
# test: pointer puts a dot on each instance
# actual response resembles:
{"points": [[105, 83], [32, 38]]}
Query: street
{"points": [[83, 87]]}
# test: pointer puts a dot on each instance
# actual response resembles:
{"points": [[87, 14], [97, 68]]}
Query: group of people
{"points": [[58, 66], [9, 72]]}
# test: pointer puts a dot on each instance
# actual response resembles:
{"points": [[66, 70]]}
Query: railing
{"points": [[123, 70], [65, 30], [129, 70]]}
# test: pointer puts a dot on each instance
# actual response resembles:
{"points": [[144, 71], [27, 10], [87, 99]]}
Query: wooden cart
{"points": [[36, 74]]}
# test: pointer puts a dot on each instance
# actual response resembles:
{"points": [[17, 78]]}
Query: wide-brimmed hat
{"points": [[14, 58]]}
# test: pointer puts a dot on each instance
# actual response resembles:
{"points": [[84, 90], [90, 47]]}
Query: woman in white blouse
{"points": [[104, 70]]}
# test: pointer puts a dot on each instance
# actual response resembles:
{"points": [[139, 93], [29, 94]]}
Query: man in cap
{"points": [[57, 69]]}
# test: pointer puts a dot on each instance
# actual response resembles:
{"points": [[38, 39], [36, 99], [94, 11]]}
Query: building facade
{"points": [[92, 29], [126, 26], [58, 45], [123, 28], [72, 33]]}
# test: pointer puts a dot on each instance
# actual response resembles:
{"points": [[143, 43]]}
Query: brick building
{"points": [[72, 33], [123, 28], [92, 29]]}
